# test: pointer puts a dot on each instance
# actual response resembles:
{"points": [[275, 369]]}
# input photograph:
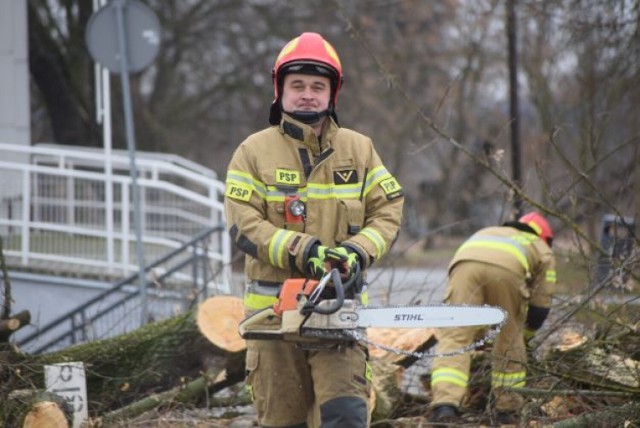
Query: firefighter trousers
{"points": [[299, 388], [476, 283]]}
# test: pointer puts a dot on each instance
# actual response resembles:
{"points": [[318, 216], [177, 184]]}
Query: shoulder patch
{"points": [[347, 176], [287, 176], [238, 191], [391, 188]]}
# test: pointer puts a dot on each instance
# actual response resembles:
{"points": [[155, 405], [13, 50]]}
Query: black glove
{"points": [[536, 316], [528, 334]]}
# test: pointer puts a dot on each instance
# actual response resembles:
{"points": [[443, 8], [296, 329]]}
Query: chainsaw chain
{"points": [[360, 336]]}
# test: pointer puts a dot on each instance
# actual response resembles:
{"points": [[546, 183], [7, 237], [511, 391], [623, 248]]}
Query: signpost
{"points": [[68, 380], [124, 36]]}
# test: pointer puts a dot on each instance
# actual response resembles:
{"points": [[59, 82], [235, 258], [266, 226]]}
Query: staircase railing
{"points": [[118, 310], [69, 209]]}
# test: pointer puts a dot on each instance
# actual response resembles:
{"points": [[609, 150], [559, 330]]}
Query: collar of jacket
{"points": [[306, 135]]}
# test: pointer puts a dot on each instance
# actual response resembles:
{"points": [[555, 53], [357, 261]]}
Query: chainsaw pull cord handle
{"points": [[311, 306]]}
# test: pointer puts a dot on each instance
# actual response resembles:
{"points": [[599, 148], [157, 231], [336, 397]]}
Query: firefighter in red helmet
{"points": [[511, 266], [295, 191]]}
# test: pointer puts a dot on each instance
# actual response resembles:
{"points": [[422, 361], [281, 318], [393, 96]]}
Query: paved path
{"points": [[400, 285]]}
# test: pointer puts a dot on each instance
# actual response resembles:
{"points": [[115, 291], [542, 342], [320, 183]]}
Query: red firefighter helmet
{"points": [[537, 222], [308, 53]]}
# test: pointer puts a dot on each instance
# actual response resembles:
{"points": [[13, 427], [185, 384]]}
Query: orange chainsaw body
{"points": [[291, 292]]}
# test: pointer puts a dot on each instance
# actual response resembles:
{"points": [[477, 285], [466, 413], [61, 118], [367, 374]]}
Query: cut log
{"points": [[35, 409], [218, 319], [13, 324], [46, 414], [406, 341], [578, 360]]}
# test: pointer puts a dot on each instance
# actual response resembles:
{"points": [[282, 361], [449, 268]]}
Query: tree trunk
{"points": [[153, 358], [581, 362], [62, 75], [167, 359]]}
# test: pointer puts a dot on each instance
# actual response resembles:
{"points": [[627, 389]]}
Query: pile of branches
{"points": [[196, 361]]}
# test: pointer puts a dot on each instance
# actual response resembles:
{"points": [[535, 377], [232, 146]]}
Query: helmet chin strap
{"points": [[309, 117]]}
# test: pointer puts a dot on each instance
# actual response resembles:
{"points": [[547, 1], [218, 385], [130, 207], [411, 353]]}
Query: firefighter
{"points": [[511, 266], [297, 191]]}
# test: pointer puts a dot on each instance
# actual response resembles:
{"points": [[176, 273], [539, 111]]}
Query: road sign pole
{"points": [[131, 145]]}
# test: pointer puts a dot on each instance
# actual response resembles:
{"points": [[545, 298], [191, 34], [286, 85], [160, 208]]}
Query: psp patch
{"points": [[238, 191], [391, 188], [287, 176], [347, 176]]}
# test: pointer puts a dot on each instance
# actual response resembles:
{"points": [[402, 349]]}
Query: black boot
{"points": [[443, 413], [505, 417]]}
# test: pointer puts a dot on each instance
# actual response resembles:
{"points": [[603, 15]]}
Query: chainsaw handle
{"points": [[336, 304], [256, 318]]}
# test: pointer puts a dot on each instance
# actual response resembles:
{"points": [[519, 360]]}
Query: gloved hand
{"points": [[345, 260], [315, 262], [528, 334]]}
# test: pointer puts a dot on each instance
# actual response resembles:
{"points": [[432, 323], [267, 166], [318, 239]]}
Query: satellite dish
{"points": [[142, 30]]}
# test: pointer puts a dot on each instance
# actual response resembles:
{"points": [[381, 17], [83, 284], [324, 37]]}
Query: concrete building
{"points": [[14, 83]]}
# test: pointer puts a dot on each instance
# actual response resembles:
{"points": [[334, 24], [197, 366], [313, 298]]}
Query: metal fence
{"points": [[120, 309], [69, 209]]}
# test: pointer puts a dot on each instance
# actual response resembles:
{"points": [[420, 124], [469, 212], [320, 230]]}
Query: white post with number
{"points": [[68, 380]]}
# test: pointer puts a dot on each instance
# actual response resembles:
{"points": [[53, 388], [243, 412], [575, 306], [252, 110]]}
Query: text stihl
{"points": [[408, 317]]}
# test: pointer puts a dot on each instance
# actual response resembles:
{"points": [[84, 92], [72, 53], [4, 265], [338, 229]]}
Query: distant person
{"points": [[511, 266], [296, 191]]}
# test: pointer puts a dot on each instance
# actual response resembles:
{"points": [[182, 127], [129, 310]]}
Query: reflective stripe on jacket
{"points": [[520, 252]]}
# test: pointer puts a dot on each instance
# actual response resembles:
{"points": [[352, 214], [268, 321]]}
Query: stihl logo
{"points": [[408, 317]]}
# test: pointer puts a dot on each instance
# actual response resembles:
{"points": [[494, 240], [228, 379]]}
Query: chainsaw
{"points": [[302, 314]]}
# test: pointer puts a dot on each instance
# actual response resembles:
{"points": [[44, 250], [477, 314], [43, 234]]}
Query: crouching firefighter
{"points": [[297, 191], [511, 266]]}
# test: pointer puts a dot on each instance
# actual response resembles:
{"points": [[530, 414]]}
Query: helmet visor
{"points": [[312, 68]]}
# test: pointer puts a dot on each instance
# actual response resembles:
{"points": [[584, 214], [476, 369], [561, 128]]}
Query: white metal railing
{"points": [[65, 207]]}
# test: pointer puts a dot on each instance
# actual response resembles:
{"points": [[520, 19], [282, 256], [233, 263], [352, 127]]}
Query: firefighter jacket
{"points": [[349, 199], [523, 253]]}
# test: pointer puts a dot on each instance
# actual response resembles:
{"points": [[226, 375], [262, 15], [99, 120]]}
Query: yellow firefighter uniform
{"points": [[350, 199], [501, 266]]}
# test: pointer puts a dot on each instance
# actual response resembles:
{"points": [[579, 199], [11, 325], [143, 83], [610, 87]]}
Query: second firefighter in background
{"points": [[511, 266]]}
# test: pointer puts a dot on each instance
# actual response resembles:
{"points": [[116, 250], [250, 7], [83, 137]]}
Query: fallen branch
{"points": [[188, 393], [622, 416], [533, 392]]}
